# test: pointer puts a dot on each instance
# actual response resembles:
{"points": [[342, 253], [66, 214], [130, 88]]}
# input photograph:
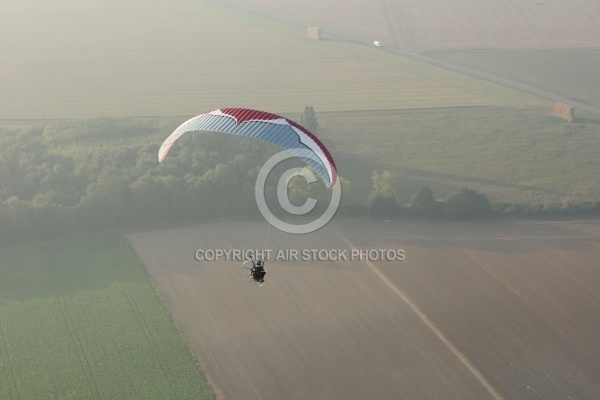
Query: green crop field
{"points": [[79, 319], [511, 154]]}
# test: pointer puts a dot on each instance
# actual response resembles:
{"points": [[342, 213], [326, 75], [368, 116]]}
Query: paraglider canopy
{"points": [[266, 126]]}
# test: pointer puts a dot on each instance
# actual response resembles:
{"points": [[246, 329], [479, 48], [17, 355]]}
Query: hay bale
{"points": [[564, 111], [314, 32]]}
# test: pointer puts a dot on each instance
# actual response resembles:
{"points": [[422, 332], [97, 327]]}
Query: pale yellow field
{"points": [[459, 24], [502, 24], [78, 59]]}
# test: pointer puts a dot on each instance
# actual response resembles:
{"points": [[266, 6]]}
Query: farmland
{"points": [[572, 73], [502, 24], [475, 311], [511, 154], [79, 318], [549, 45], [462, 24], [160, 60]]}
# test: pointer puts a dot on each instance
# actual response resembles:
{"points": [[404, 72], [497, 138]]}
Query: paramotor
{"points": [[266, 126]]}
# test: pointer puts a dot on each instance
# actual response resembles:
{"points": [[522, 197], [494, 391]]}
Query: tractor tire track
{"points": [[147, 333], [404, 27], [429, 324], [397, 24], [8, 368], [391, 26], [75, 338]]}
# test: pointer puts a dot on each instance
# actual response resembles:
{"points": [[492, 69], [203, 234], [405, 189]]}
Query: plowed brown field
{"points": [[475, 311]]}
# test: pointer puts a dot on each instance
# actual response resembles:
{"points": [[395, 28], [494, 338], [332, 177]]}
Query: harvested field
{"points": [[475, 311], [182, 58], [571, 73], [461, 24], [504, 24]]}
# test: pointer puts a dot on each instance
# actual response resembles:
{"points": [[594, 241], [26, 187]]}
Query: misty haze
{"points": [[432, 232]]}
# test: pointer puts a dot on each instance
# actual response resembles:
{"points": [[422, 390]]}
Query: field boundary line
{"points": [[154, 277], [425, 319]]}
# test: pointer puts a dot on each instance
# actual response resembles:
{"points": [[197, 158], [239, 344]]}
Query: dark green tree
{"points": [[308, 119], [423, 203], [468, 204]]}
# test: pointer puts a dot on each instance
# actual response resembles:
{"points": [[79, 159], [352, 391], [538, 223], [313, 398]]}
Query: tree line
{"points": [[467, 204], [68, 176]]}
